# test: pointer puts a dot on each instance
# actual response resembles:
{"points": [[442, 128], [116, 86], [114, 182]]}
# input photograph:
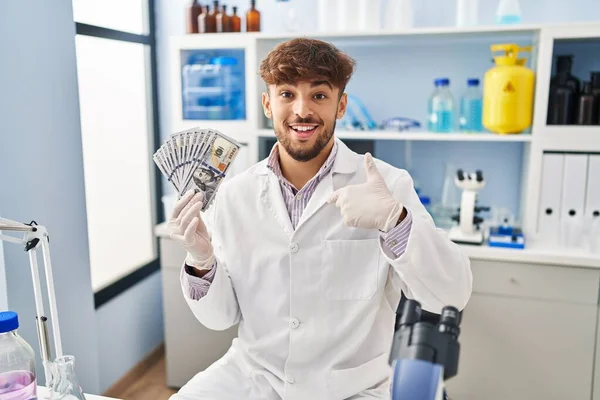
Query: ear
{"points": [[342, 104], [266, 103]]}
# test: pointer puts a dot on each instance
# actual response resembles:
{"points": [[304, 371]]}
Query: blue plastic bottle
{"points": [[471, 108], [441, 107]]}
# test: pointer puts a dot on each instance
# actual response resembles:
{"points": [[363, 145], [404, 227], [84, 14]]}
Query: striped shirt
{"points": [[394, 241]]}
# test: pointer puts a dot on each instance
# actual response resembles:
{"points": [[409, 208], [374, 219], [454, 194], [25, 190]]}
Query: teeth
{"points": [[304, 128]]}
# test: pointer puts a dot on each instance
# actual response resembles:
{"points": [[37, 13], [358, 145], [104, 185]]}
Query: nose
{"points": [[302, 108]]}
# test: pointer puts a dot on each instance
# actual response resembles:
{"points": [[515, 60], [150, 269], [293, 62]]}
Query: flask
{"points": [[253, 18], [17, 361], [441, 107], [65, 385], [288, 16], [471, 108], [508, 12], [236, 21]]}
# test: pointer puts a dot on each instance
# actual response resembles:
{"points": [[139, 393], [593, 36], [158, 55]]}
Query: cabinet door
{"points": [[523, 349], [190, 347], [597, 368]]}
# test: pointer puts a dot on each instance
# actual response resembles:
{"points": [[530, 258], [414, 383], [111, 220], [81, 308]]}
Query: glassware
{"points": [[288, 16], [236, 21], [193, 12], [65, 385], [17, 361], [471, 108], [207, 21], [508, 12], [223, 21], [441, 107], [253, 18]]}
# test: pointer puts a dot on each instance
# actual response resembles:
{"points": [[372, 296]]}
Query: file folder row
{"points": [[569, 209]]}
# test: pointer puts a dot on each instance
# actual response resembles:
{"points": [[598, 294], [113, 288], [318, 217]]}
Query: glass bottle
{"points": [[471, 108], [223, 21], [587, 106], [236, 21], [441, 107], [65, 385], [193, 12], [287, 16], [253, 18], [207, 22], [17, 361]]}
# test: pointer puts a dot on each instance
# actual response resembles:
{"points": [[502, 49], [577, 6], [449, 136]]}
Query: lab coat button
{"points": [[293, 247], [294, 323], [289, 378]]}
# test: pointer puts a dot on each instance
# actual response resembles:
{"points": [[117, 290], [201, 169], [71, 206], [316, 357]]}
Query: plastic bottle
{"points": [[398, 15], [466, 12], [587, 106], [471, 108], [223, 20], [288, 16], [236, 21], [561, 104], [441, 107], [252, 18], [508, 12], [17, 361]]}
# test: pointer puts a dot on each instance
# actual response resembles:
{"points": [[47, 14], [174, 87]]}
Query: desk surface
{"points": [[43, 392], [572, 258]]}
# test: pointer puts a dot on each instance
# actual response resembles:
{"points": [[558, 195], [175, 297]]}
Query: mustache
{"points": [[305, 121]]}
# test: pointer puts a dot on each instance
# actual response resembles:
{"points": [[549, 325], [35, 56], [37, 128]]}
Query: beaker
{"points": [[65, 385]]}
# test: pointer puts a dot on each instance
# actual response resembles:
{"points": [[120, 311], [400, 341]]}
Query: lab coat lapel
{"points": [[345, 163], [273, 199]]}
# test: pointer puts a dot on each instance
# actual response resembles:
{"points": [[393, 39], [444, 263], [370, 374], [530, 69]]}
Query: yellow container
{"points": [[508, 92]]}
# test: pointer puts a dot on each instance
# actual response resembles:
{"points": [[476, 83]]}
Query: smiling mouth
{"points": [[304, 130]]}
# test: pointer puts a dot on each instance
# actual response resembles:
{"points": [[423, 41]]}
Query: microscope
{"points": [[424, 354], [468, 230]]}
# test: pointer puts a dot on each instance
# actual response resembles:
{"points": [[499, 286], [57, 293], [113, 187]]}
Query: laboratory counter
{"points": [[529, 255], [43, 394]]}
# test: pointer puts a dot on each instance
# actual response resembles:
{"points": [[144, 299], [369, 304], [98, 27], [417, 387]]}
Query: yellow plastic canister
{"points": [[508, 92]]}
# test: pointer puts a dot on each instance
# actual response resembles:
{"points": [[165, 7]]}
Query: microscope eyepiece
{"points": [[449, 321], [460, 174], [411, 313]]}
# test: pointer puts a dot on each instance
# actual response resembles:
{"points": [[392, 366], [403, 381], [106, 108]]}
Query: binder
{"points": [[592, 203], [550, 199], [573, 200]]}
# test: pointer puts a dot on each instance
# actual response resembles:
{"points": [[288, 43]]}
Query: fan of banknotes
{"points": [[197, 159]]}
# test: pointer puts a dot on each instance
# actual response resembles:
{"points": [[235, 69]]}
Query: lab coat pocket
{"points": [[348, 382], [350, 269]]}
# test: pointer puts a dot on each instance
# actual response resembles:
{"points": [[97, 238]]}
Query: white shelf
{"points": [[570, 138], [421, 136]]}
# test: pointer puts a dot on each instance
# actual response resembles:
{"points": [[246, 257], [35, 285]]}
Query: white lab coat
{"points": [[316, 305]]}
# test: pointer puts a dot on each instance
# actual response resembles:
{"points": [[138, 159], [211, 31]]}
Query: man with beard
{"points": [[310, 250]]}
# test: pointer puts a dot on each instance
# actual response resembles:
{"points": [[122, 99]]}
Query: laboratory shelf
{"points": [[570, 138], [420, 136]]}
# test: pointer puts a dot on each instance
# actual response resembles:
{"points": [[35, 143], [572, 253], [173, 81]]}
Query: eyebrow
{"points": [[314, 84]]}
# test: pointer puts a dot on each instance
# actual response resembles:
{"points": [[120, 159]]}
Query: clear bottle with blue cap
{"points": [[441, 107], [471, 104], [17, 361]]}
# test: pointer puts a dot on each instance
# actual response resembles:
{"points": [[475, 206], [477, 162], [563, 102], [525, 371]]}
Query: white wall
{"points": [[42, 170]]}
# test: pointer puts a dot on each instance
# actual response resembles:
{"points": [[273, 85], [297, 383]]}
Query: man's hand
{"points": [[369, 205], [186, 227]]}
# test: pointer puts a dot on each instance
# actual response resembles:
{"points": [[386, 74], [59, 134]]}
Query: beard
{"points": [[301, 153]]}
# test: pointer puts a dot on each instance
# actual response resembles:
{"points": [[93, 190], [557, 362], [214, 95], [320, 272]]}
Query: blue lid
{"points": [[425, 200], [442, 82], [9, 321], [473, 82], [224, 61]]}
